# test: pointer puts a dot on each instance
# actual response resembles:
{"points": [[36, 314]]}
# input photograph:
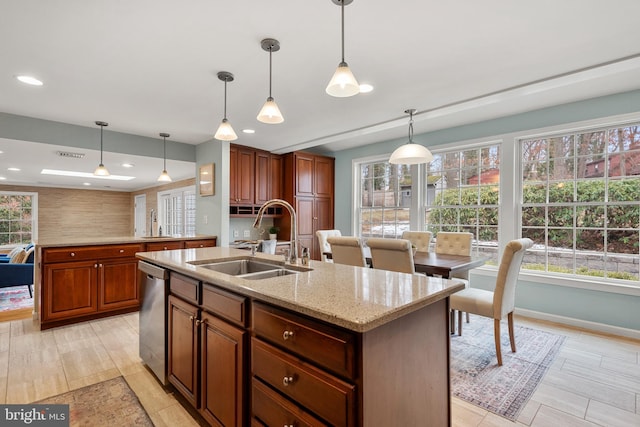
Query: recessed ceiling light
{"points": [[2, 178], [128, 165], [365, 88], [29, 80], [248, 131], [86, 183], [85, 175], [14, 169]]}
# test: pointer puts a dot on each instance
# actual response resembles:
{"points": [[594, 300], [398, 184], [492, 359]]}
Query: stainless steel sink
{"points": [[240, 266]]}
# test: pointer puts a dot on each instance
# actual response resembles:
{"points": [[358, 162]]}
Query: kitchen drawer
{"points": [[274, 410], [208, 243], [184, 286], [165, 246], [331, 348], [225, 304], [83, 253], [326, 396]]}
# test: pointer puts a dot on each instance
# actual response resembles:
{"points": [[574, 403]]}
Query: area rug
{"points": [[14, 298], [503, 390], [109, 403]]}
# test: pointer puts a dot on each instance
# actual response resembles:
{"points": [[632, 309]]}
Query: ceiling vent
{"points": [[70, 154]]}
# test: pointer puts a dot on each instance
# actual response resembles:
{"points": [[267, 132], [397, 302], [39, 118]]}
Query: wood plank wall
{"points": [[70, 213]]}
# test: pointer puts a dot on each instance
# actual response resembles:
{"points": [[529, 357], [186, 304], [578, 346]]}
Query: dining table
{"points": [[435, 264]]}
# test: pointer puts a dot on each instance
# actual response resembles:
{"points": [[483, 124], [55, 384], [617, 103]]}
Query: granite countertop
{"points": [[356, 298], [62, 242]]}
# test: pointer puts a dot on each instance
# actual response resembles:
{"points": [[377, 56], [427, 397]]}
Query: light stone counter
{"points": [[356, 298]]}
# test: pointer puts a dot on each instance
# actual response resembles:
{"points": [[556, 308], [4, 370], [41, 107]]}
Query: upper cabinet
{"points": [[255, 177]]}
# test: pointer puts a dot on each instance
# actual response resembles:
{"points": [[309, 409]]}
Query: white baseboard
{"points": [[585, 324]]}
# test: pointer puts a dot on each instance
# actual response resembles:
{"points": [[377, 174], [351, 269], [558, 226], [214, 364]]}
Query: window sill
{"points": [[569, 281]]}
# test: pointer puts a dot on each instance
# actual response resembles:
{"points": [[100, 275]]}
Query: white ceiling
{"points": [[149, 66]]}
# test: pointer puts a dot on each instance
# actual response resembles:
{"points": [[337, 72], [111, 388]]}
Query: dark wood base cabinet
{"points": [[207, 355], [242, 362]]}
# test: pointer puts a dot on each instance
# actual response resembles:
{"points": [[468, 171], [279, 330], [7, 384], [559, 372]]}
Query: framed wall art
{"points": [[207, 180]]}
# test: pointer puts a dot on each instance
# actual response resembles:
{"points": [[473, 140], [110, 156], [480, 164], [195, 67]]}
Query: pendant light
{"points": [[101, 170], [164, 176], [270, 113], [343, 83], [410, 153], [225, 132]]}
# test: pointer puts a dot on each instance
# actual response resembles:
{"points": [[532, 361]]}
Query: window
{"points": [[177, 211], [384, 201], [462, 193], [16, 218], [580, 202]]}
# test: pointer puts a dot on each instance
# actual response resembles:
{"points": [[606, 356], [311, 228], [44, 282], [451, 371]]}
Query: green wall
{"points": [[607, 308]]}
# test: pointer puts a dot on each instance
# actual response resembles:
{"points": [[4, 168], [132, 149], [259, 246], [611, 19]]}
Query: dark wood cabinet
{"points": [[309, 187], [183, 348], [241, 175], [84, 282], [205, 243], [207, 349]]}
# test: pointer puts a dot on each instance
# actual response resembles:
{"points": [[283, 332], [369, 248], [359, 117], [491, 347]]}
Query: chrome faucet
{"points": [[153, 219], [293, 253]]}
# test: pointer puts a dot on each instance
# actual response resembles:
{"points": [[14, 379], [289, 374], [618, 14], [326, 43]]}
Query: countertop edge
{"points": [[117, 240]]}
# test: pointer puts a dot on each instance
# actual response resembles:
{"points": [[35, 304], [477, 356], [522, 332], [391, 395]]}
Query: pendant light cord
{"points": [[225, 98], [165, 152], [410, 126], [270, 51], [342, 9], [101, 128]]}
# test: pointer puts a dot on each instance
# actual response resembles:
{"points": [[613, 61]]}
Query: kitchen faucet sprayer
{"points": [[293, 254]]}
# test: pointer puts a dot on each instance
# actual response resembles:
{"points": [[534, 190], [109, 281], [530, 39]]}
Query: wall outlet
{"points": [[247, 233], [236, 233], [205, 219]]}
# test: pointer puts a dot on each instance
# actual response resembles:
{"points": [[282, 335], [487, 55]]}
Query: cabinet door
{"points": [[322, 220], [305, 215], [323, 176], [304, 175], [183, 348], [241, 176], [223, 349], [262, 178], [69, 289], [275, 176], [118, 284]]}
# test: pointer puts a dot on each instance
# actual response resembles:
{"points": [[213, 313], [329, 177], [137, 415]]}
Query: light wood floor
{"points": [[595, 381]]}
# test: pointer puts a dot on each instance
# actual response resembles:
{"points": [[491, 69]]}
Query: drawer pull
{"points": [[287, 334], [73, 254], [121, 250], [287, 380]]}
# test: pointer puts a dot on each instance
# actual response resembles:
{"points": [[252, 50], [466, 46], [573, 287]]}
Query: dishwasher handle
{"points": [[153, 270]]}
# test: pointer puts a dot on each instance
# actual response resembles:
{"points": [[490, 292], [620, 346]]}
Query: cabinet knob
{"points": [[287, 334], [287, 380], [95, 265], [191, 318], [199, 322], [72, 254], [121, 250]]}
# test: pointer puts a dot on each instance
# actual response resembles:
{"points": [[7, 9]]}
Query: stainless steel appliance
{"points": [[153, 319]]}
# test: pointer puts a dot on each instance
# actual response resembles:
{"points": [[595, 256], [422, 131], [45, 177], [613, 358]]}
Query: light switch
{"points": [[247, 233]]}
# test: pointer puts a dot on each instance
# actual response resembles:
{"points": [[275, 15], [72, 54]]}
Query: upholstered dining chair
{"points": [[419, 239], [455, 243], [501, 301], [347, 250], [391, 254], [322, 242]]}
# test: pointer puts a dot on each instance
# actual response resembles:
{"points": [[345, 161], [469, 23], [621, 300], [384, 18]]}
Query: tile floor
{"points": [[595, 381]]}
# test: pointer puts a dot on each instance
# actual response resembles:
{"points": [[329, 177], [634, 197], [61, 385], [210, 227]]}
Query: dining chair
{"points": [[499, 302], [391, 254], [455, 243], [322, 242], [347, 250], [420, 239]]}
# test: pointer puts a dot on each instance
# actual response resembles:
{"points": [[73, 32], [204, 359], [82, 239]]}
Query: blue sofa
{"points": [[18, 274]]}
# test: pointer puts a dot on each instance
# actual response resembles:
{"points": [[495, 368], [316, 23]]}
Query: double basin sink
{"points": [[249, 268]]}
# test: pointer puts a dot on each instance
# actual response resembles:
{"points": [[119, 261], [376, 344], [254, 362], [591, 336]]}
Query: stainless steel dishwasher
{"points": [[153, 319]]}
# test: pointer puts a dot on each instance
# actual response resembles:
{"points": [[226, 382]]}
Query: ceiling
{"points": [[150, 66]]}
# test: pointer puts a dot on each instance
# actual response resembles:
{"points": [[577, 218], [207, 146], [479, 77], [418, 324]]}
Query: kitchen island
{"points": [[85, 278], [324, 344]]}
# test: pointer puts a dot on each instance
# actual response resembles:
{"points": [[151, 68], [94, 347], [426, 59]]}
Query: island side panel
{"points": [[405, 370]]}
